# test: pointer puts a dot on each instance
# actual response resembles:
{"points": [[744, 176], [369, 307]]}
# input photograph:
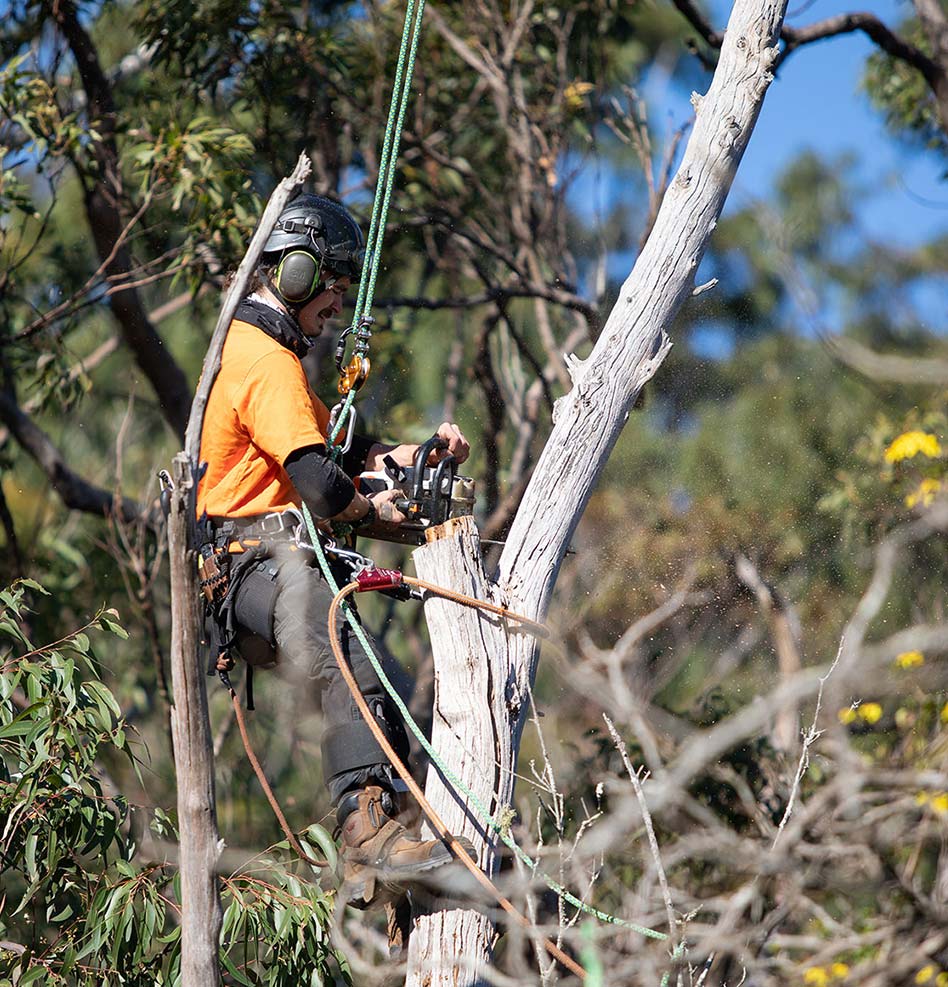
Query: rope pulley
{"points": [[352, 375]]}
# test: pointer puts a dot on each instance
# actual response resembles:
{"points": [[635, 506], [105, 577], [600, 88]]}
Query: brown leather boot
{"points": [[380, 856]]}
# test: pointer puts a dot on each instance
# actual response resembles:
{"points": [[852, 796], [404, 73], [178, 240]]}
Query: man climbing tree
{"points": [[266, 442]]}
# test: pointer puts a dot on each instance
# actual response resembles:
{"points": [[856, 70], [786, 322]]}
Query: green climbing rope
{"points": [[386, 179], [401, 91]]}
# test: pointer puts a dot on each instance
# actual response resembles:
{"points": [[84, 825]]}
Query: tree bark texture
{"points": [[587, 423], [472, 725], [200, 842]]}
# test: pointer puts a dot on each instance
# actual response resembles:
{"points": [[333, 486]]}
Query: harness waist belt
{"points": [[283, 523]]}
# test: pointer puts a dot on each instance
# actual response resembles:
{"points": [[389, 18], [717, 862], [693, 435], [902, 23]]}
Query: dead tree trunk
{"points": [[200, 843], [473, 721], [587, 422]]}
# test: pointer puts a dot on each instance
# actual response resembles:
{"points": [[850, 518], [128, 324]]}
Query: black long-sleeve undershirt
{"points": [[326, 489]]}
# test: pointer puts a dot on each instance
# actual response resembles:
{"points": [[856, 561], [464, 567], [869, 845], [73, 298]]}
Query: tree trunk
{"points": [[193, 749], [472, 720], [200, 843], [587, 422]]}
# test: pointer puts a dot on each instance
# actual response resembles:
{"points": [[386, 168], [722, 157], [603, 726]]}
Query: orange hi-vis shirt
{"points": [[261, 408]]}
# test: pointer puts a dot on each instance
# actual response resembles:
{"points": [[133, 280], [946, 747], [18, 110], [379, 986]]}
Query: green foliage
{"points": [[276, 932], [79, 897], [73, 898], [903, 95], [196, 172]]}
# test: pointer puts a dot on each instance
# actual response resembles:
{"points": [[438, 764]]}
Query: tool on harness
{"points": [[244, 581], [167, 489], [213, 572], [432, 494]]}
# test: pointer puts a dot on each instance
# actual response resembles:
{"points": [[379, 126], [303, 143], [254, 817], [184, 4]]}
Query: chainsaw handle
{"points": [[441, 499], [421, 459]]}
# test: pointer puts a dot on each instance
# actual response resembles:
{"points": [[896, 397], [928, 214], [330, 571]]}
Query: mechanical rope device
{"points": [[430, 494], [352, 375]]}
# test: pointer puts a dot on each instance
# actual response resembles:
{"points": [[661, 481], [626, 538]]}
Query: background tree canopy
{"points": [[798, 425]]}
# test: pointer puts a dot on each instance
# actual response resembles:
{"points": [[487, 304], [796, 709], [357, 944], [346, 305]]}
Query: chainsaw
{"points": [[431, 494]]}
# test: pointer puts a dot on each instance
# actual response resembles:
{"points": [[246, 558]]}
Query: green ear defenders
{"points": [[297, 277]]}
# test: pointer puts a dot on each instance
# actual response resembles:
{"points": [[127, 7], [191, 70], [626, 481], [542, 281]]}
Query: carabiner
{"points": [[350, 426]]}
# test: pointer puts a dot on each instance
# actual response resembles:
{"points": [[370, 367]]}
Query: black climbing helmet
{"points": [[313, 239]]}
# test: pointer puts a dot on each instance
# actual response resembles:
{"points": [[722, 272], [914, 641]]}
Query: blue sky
{"points": [[816, 103]]}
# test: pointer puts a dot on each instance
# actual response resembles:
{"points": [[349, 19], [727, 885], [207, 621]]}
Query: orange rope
{"points": [[538, 629], [433, 818], [268, 791]]}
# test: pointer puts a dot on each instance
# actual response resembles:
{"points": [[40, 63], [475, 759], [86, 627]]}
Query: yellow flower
{"points": [[922, 798], [924, 495], [870, 712], [910, 444], [816, 976], [944, 714], [942, 979], [939, 804], [839, 970], [909, 659], [574, 92], [925, 974], [847, 715]]}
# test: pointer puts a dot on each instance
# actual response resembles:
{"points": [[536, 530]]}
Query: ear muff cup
{"points": [[297, 276]]}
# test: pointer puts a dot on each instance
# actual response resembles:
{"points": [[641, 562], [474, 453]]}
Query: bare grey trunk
{"points": [[200, 843], [472, 721], [468, 653]]}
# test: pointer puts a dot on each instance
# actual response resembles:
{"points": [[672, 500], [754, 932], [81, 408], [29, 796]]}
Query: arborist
{"points": [[265, 441]]}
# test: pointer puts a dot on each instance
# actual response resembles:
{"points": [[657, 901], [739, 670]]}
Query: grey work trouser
{"points": [[351, 756]]}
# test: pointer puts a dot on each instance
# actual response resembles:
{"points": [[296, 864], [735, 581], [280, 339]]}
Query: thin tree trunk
{"points": [[191, 731], [587, 422], [200, 842]]}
